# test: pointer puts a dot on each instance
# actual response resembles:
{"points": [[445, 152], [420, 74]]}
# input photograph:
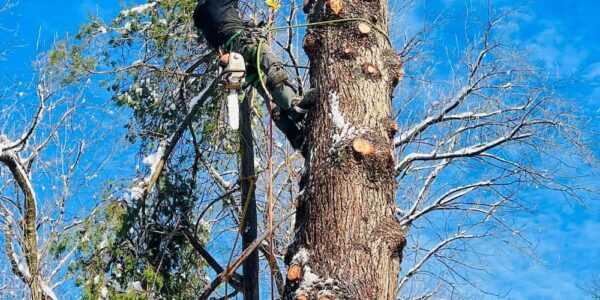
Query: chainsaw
{"points": [[233, 74]]}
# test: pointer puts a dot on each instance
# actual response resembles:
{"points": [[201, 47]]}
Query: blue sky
{"points": [[562, 36]]}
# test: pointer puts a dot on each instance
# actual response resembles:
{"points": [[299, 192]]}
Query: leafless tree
{"points": [[7, 46], [46, 167], [593, 287]]}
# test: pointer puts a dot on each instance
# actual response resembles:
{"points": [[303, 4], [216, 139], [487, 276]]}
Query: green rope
{"points": [[259, 70], [321, 23], [232, 39]]}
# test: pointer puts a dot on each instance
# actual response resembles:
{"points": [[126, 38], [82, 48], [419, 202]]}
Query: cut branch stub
{"points": [[335, 5], [362, 147], [294, 273], [364, 28], [302, 297], [297, 201], [393, 128], [348, 51], [392, 232], [325, 298], [397, 73], [370, 69]]}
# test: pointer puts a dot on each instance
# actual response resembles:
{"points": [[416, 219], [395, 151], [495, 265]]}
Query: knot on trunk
{"points": [[390, 232], [348, 51], [335, 6], [392, 127], [371, 70], [393, 63], [311, 43]]}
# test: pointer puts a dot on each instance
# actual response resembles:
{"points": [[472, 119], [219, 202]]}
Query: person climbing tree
{"points": [[223, 28]]}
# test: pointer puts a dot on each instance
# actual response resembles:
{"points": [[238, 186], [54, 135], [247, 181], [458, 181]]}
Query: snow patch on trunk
{"points": [[346, 131], [336, 114], [308, 278], [301, 256]]}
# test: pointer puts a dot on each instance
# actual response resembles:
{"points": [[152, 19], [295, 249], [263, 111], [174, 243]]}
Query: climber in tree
{"points": [[223, 27]]}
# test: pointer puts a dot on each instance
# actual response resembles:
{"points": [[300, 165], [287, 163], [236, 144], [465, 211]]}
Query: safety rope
{"points": [[272, 9], [252, 180], [333, 22], [314, 24]]}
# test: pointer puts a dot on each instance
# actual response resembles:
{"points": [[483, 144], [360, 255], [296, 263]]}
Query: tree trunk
{"points": [[29, 247], [248, 174], [348, 242]]}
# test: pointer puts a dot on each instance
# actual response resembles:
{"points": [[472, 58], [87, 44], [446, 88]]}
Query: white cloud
{"points": [[555, 49], [564, 240]]}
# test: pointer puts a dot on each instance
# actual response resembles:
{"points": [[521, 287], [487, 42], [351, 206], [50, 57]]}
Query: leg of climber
{"points": [[291, 108], [292, 130], [223, 27], [284, 94]]}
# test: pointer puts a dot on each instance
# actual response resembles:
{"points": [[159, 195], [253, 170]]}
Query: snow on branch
{"points": [[48, 292], [142, 188], [423, 125], [446, 199], [464, 152], [19, 267], [427, 186], [139, 9], [22, 141]]}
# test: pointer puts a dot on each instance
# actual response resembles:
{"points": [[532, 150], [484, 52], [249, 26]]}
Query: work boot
{"points": [[292, 131], [302, 105], [290, 121]]}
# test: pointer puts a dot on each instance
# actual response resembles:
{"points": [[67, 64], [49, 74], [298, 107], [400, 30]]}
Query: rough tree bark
{"points": [[348, 242]]}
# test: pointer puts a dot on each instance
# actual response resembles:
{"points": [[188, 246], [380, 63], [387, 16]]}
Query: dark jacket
{"points": [[218, 20]]}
